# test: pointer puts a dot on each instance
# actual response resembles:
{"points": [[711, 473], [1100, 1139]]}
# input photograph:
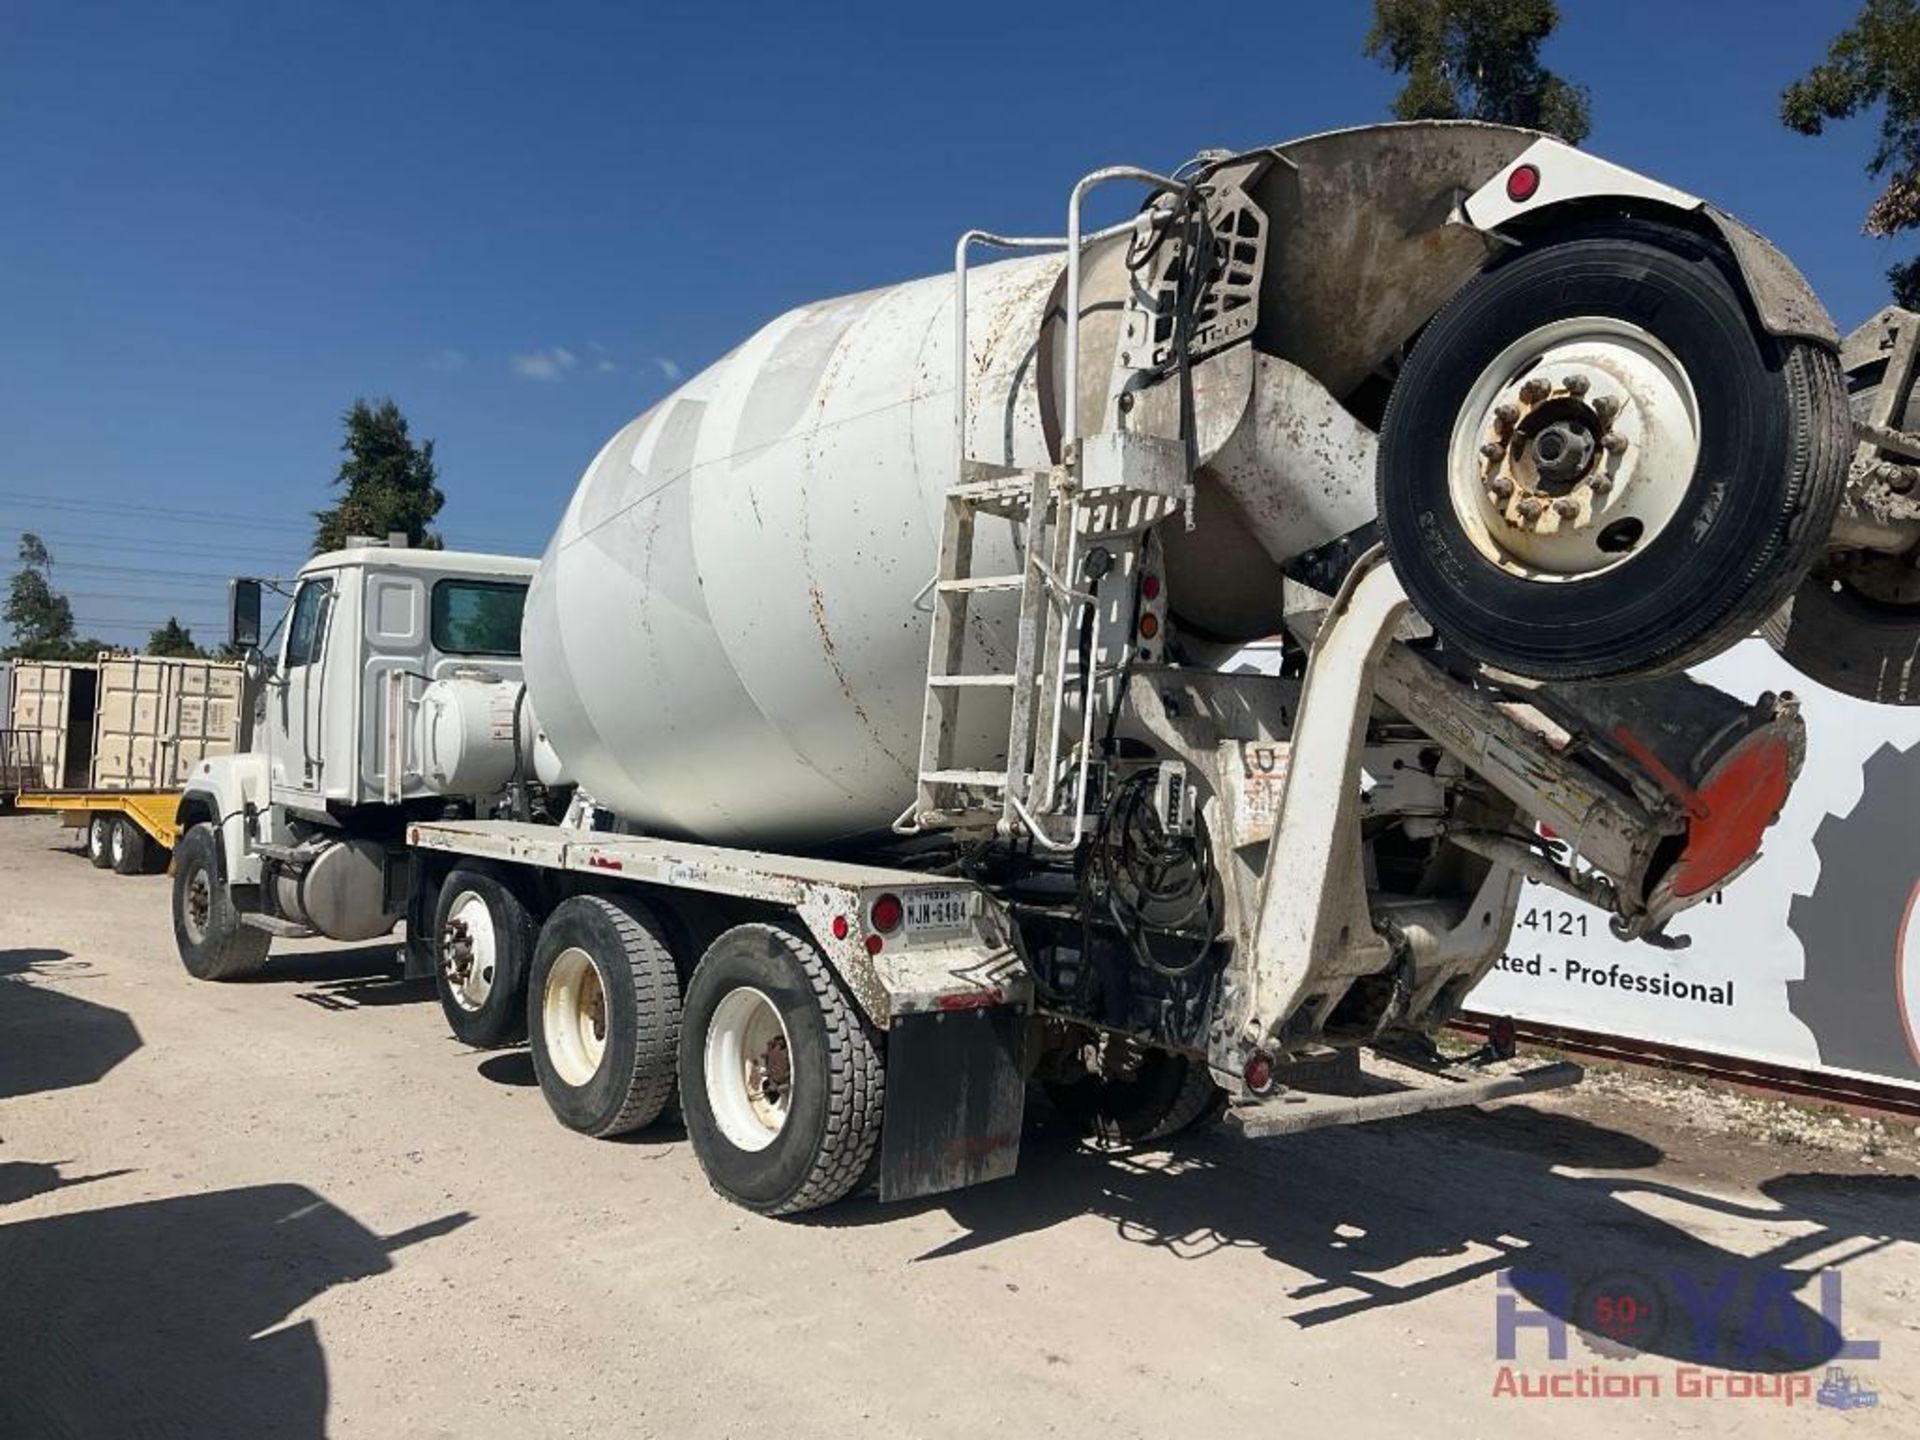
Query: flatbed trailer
{"points": [[130, 832]]}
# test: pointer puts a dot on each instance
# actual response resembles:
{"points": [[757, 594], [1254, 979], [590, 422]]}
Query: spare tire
{"points": [[1853, 625], [1595, 463]]}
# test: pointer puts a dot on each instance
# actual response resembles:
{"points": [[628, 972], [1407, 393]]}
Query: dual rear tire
{"points": [[779, 1081]]}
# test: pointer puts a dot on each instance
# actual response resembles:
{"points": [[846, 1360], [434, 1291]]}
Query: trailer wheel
{"points": [[780, 1083], [1595, 463], [483, 939], [100, 840], [1160, 1097], [603, 1009], [213, 944], [127, 844]]}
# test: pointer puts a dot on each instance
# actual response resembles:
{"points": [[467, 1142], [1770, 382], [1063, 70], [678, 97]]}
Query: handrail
{"points": [[1070, 421]]}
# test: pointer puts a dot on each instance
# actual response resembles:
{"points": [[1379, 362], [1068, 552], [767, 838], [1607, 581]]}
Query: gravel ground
{"points": [[295, 1206]]}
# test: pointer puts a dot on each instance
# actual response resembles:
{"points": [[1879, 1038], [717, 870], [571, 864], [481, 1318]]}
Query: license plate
{"points": [[937, 909]]}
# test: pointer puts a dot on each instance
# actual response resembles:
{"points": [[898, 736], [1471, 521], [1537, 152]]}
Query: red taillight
{"points": [[840, 927], [1259, 1073], [887, 913], [1150, 586], [875, 944], [1149, 626], [1523, 183]]}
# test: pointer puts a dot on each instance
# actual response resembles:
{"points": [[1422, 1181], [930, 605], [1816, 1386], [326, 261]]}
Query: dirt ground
{"points": [[296, 1207]]}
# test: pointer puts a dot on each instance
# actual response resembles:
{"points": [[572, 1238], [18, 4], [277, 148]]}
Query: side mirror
{"points": [[243, 614]]}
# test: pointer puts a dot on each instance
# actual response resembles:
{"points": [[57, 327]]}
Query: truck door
{"points": [[294, 713]]}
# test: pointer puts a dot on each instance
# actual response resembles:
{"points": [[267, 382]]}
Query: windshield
{"points": [[477, 617]]}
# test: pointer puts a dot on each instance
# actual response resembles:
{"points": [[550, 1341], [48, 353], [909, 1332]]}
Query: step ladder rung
{"points": [[972, 682], [982, 582], [995, 778]]}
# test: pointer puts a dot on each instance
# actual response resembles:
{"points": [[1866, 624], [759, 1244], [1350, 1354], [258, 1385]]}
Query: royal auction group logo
{"points": [[1732, 1334]]}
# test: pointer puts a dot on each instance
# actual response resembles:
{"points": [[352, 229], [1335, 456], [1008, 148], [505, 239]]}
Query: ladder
{"points": [[1110, 484]]}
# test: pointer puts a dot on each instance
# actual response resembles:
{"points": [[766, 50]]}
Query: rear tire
{"points": [[483, 950], [603, 1012], [781, 1085], [213, 943], [1164, 1096], [128, 847], [1732, 456], [100, 841]]}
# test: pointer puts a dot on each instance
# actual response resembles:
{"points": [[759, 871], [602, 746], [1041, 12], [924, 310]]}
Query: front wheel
{"points": [[213, 943], [1595, 463], [780, 1083]]}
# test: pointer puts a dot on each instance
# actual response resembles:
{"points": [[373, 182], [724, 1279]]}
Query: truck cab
{"points": [[301, 834]]}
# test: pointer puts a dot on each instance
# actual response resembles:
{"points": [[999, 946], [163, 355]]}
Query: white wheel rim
{"points": [[469, 951], [573, 1016], [749, 1069], [198, 907], [118, 844], [97, 836], [1574, 449]]}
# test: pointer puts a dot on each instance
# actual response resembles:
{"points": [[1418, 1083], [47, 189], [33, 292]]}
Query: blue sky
{"points": [[222, 222]]}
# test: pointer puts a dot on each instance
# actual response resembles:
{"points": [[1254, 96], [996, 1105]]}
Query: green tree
{"points": [[40, 617], [173, 638], [1477, 60], [1874, 61], [387, 481]]}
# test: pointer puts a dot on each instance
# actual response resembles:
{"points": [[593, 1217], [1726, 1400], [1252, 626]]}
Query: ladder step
{"points": [[982, 582], [994, 778], [964, 682]]}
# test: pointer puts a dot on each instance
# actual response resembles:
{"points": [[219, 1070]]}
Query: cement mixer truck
{"points": [[872, 753]]}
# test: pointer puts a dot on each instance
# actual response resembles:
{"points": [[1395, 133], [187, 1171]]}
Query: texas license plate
{"points": [[937, 910]]}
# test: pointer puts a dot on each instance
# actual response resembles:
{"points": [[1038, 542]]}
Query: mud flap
{"points": [[956, 1090]]}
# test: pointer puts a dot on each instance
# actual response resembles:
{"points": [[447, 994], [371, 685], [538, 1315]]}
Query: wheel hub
{"points": [[467, 951], [1575, 447], [199, 904], [749, 1068]]}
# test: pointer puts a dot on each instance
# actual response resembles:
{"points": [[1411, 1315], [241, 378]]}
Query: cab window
{"points": [[307, 631], [477, 617]]}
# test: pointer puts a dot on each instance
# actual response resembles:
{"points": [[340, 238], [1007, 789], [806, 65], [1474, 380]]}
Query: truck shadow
{"points": [[366, 975], [51, 1038], [163, 1318], [1385, 1214]]}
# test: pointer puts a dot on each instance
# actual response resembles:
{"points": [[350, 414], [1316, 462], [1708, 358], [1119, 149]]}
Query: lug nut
{"points": [[1615, 444], [1601, 483], [1566, 507], [1577, 385], [1605, 407], [1493, 449], [1534, 391], [1531, 507], [1500, 487], [1505, 417]]}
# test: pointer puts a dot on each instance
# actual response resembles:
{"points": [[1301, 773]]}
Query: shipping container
{"points": [[123, 722]]}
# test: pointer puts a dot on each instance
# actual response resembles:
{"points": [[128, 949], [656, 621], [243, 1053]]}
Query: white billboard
{"points": [[1808, 960]]}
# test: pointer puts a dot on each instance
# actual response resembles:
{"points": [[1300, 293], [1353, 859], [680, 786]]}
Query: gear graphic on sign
{"points": [[1860, 995]]}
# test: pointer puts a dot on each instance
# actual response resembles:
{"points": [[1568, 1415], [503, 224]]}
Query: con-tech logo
{"points": [[1737, 1333]]}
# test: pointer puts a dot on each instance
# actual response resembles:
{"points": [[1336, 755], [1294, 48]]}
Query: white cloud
{"points": [[552, 363], [604, 367], [668, 368], [447, 360]]}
